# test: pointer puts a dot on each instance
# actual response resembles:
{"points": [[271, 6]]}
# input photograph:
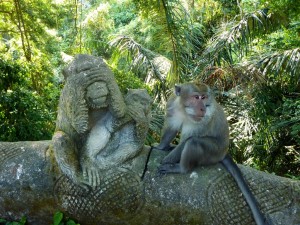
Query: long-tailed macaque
{"points": [[204, 137]]}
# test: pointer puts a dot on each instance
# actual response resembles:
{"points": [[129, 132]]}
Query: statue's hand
{"points": [[137, 114], [79, 180], [91, 173]]}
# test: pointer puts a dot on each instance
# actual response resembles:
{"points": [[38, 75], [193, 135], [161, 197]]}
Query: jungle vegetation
{"points": [[247, 50]]}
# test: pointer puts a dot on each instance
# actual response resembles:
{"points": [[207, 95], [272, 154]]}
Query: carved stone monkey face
{"points": [[97, 94], [140, 99]]}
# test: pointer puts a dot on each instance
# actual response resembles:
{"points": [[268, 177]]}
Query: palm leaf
{"points": [[149, 66], [184, 34], [233, 39], [141, 59], [279, 63]]}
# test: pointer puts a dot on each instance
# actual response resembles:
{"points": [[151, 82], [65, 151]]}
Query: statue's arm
{"points": [[66, 155], [127, 152]]}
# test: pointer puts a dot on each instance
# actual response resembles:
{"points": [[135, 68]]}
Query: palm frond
{"points": [[234, 38], [146, 64], [184, 37], [280, 66], [287, 61], [142, 60]]}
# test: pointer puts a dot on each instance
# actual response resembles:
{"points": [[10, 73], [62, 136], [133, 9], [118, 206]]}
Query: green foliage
{"points": [[285, 38], [282, 68], [265, 130], [123, 12], [60, 219], [185, 35], [21, 222], [290, 118], [25, 114], [285, 10], [11, 74], [128, 81], [229, 7], [232, 41], [149, 36], [146, 65], [141, 58], [250, 5], [156, 125], [268, 136], [29, 50], [57, 218], [96, 27]]}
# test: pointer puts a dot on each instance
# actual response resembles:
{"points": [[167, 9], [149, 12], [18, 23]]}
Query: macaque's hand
{"points": [[137, 114]]}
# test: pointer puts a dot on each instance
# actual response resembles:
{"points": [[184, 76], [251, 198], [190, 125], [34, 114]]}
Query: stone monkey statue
{"points": [[121, 138], [92, 116]]}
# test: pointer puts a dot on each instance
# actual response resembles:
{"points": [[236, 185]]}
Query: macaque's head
{"points": [[97, 94], [195, 99]]}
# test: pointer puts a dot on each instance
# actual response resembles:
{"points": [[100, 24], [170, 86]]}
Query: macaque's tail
{"points": [[235, 172]]}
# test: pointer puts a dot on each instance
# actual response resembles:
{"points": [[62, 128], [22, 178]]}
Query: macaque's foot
{"points": [[169, 168], [171, 158], [161, 147]]}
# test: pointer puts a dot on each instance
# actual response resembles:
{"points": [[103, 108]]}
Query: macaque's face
{"points": [[195, 106], [195, 100], [96, 95]]}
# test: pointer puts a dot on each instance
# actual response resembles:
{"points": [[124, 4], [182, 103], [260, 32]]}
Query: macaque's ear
{"points": [[177, 90]]}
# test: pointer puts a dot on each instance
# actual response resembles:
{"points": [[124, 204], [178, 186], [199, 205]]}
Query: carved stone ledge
{"points": [[32, 185]]}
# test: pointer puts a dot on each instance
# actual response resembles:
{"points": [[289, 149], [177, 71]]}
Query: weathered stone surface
{"points": [[92, 168], [26, 181], [97, 129], [212, 193], [32, 185]]}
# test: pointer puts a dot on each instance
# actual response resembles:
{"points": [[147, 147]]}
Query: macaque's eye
{"points": [[200, 97]]}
